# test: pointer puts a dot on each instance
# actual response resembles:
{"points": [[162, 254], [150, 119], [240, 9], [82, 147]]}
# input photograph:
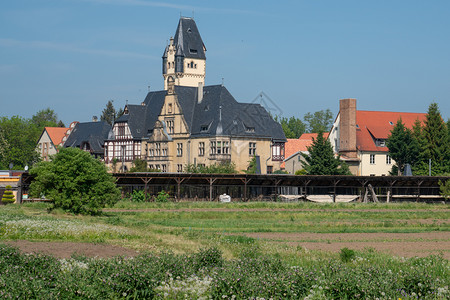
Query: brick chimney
{"points": [[347, 128]]}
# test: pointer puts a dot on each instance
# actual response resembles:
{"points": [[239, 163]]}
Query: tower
{"points": [[184, 60]]}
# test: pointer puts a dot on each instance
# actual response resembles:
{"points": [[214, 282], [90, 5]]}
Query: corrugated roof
{"points": [[372, 125]]}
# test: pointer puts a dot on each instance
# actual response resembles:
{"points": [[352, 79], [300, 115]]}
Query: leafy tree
{"points": [[139, 165], [321, 160], [445, 187], [434, 143], [251, 168], [8, 196], [320, 121], [45, 118], [403, 146], [293, 128], [75, 181], [18, 138], [222, 168]]}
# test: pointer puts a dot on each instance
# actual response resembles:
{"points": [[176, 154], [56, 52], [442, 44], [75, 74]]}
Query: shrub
{"points": [[162, 197], [138, 196], [75, 181], [8, 196], [347, 254]]}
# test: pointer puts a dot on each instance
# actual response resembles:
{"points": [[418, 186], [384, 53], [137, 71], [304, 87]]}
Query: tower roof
{"points": [[188, 40]]}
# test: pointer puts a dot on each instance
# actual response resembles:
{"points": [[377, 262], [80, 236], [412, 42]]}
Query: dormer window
{"points": [[193, 51], [204, 128], [391, 123], [249, 129], [169, 108]]}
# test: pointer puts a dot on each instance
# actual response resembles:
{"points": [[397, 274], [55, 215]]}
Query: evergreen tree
{"points": [[434, 143], [8, 196], [403, 146], [109, 113], [119, 113], [321, 160]]}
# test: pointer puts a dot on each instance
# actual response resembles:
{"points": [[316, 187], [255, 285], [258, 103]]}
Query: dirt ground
{"points": [[398, 244], [66, 249]]}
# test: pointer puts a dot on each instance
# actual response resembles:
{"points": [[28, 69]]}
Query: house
{"points": [[88, 136], [360, 136], [294, 148], [190, 123], [50, 139]]}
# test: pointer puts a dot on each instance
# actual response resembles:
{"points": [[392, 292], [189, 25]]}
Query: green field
{"points": [[217, 243]]}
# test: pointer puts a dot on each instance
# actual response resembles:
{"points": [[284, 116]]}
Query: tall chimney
{"points": [[347, 138], [200, 92]]}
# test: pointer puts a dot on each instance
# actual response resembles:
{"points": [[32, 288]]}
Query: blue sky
{"points": [[75, 55]]}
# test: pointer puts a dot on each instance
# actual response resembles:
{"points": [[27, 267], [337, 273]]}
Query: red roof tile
{"points": [[56, 134], [373, 125], [292, 146]]}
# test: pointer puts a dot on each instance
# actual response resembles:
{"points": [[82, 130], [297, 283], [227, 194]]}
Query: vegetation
{"points": [[139, 165], [313, 122], [19, 136], [320, 159], [75, 181], [222, 168], [8, 196], [425, 142], [251, 169], [445, 187], [109, 114]]}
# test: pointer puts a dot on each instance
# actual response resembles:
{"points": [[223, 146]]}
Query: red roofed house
{"points": [[51, 137], [360, 136], [293, 149]]}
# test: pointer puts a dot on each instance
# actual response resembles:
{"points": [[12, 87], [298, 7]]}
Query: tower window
{"points": [[193, 51]]}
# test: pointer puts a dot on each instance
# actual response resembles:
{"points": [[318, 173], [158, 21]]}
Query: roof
{"points": [[93, 133], [56, 134], [372, 125], [301, 144], [188, 40], [217, 114]]}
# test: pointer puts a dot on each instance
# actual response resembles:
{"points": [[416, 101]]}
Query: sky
{"points": [[74, 55]]}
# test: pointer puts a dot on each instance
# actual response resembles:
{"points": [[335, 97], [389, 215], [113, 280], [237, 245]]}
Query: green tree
{"points": [[139, 165], [221, 168], [445, 188], [321, 160], [434, 143], [251, 169], [75, 181], [18, 139], [45, 118], [320, 121], [109, 113], [403, 146], [8, 196], [293, 128]]}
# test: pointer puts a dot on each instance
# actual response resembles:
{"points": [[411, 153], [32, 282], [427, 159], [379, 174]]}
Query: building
{"points": [[88, 136], [190, 123], [294, 149], [360, 137], [49, 141]]}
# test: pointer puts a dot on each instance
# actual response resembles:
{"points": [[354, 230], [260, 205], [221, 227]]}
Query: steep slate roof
{"points": [[56, 134], [218, 108], [94, 133], [237, 119], [373, 125], [188, 40]]}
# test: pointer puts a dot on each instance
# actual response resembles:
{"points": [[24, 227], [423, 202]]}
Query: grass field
{"points": [[303, 236]]}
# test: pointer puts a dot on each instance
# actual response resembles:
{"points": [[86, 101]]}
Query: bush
{"points": [[8, 196], [75, 181], [138, 196], [347, 254], [301, 172], [162, 197]]}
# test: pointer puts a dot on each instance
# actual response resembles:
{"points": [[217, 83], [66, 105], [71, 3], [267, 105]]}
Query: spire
{"points": [[187, 37], [219, 129]]}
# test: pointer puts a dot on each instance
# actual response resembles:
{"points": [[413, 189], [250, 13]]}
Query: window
{"points": [[391, 123], [164, 152], [213, 147], [201, 148], [170, 126], [169, 108], [179, 168], [252, 148], [225, 149], [201, 165], [269, 169], [372, 159], [157, 167], [151, 152], [151, 167], [204, 128], [164, 168], [158, 149], [179, 149], [249, 129], [277, 151], [388, 159], [193, 51], [219, 147]]}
